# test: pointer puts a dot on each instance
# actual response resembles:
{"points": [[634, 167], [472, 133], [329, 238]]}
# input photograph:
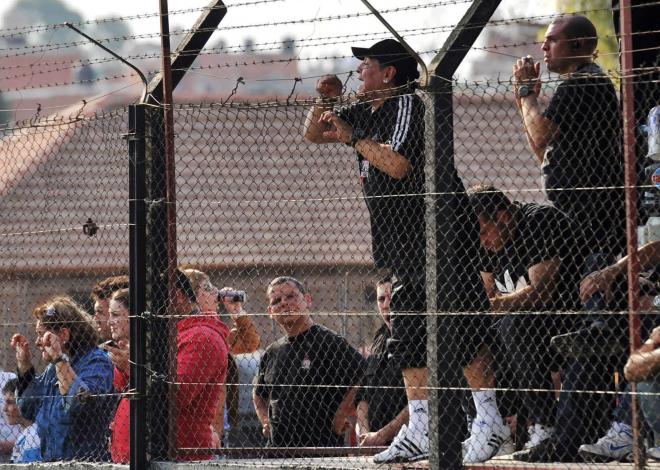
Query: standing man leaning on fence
{"points": [[306, 385], [386, 128], [577, 139], [578, 142]]}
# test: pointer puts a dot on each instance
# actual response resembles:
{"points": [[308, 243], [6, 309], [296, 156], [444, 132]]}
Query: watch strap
{"points": [[358, 134], [63, 358]]}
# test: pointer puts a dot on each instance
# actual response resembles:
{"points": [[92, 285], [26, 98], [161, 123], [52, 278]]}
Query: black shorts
{"points": [[460, 336]]}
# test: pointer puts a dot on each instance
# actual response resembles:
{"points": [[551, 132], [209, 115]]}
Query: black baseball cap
{"points": [[390, 52]]}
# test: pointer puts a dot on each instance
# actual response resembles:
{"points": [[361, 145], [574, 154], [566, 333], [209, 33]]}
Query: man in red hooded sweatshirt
{"points": [[201, 370]]}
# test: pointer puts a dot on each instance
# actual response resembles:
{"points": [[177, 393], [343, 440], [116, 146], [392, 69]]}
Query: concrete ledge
{"points": [[63, 466]]}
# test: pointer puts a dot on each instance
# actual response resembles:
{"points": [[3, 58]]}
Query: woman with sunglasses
{"points": [[71, 400]]}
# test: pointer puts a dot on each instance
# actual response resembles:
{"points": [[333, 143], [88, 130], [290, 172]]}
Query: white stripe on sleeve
{"points": [[402, 125]]}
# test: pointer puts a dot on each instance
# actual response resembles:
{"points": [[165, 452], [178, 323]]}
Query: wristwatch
{"points": [[63, 358], [524, 90], [358, 134]]}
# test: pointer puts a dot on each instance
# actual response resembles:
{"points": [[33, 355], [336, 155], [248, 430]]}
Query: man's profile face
{"points": [[383, 299], [286, 304], [371, 75], [101, 308], [557, 51], [491, 234]]}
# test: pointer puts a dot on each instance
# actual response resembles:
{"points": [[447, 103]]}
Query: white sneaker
{"points": [[654, 453], [487, 441], [537, 434], [615, 445], [406, 447]]}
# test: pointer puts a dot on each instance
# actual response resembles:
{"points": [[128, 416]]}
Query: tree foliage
{"points": [[41, 12]]}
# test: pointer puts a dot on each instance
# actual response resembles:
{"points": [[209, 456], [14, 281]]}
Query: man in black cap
{"points": [[386, 128]]}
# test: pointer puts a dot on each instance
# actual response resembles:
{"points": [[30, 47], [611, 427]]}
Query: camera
{"points": [[233, 295]]}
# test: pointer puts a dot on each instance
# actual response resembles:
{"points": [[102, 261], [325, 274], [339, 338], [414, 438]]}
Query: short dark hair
{"points": [[10, 387], [63, 312], [578, 27], [182, 283], [104, 289], [487, 201], [284, 279]]}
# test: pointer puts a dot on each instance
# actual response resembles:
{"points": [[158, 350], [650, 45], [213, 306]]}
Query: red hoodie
{"points": [[119, 441], [201, 370], [202, 366]]}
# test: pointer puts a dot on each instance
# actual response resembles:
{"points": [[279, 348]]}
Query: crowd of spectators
{"points": [[535, 278]]}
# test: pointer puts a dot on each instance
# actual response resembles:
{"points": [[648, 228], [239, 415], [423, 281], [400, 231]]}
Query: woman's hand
{"points": [[119, 355], [21, 346], [52, 345]]}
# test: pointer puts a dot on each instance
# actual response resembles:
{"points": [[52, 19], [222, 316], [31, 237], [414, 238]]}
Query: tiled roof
{"points": [[250, 190]]}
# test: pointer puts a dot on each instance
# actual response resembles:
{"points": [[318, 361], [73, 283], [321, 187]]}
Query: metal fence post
{"points": [[137, 277], [158, 352], [631, 213]]}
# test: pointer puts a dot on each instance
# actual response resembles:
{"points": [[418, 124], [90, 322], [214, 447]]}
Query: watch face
{"points": [[523, 91]]}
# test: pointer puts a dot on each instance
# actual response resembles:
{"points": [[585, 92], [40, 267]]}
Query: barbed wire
{"points": [[236, 64], [279, 45], [147, 316], [21, 30], [453, 27], [178, 32]]}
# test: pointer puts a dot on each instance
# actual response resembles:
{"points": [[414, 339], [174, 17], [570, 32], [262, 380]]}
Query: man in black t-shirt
{"points": [[382, 405], [530, 264], [578, 138], [305, 388]]}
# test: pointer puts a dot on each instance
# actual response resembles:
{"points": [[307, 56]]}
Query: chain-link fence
{"points": [[394, 276], [64, 228]]}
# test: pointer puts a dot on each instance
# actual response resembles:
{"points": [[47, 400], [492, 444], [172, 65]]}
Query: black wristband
{"points": [[358, 134]]}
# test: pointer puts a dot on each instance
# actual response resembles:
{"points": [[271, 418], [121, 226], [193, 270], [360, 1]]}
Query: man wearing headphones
{"points": [[577, 141]]}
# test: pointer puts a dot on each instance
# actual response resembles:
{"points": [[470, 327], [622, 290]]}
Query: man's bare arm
{"points": [[329, 88], [362, 415], [489, 284], [313, 129], [379, 155], [261, 408], [645, 362], [385, 434], [344, 410], [543, 282], [540, 130]]}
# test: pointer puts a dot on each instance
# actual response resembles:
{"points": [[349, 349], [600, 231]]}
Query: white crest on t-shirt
{"points": [[510, 286], [364, 170]]}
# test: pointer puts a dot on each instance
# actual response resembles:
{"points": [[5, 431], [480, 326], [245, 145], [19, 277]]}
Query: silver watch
{"points": [[63, 358]]}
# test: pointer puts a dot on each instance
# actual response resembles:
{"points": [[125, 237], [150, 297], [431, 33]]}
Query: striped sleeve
{"points": [[402, 126]]}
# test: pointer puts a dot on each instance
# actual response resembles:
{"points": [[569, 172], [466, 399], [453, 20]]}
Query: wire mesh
{"points": [[302, 326]]}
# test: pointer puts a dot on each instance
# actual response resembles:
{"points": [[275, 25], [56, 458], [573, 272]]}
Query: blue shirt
{"points": [[74, 426], [27, 448]]}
